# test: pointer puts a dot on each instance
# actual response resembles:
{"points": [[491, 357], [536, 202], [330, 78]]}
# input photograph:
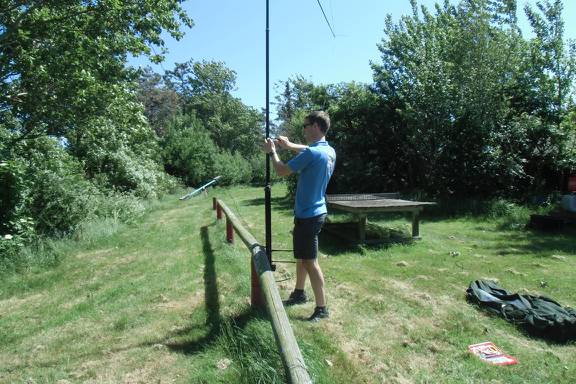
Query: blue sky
{"points": [[233, 31]]}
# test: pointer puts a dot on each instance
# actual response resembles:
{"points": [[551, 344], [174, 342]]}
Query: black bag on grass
{"points": [[538, 315]]}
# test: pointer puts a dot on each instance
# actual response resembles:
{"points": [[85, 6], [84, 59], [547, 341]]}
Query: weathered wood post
{"points": [[229, 230], [218, 211], [214, 203], [256, 298]]}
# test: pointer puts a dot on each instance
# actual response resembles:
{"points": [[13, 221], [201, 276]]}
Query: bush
{"points": [[59, 196], [509, 214], [233, 168], [59, 202], [124, 207], [258, 166], [20, 254], [20, 233], [167, 184], [118, 150], [127, 172], [111, 210], [188, 151], [12, 193]]}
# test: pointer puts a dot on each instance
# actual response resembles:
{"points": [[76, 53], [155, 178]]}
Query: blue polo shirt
{"points": [[314, 165]]}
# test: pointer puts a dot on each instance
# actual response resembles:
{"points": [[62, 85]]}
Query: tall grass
{"points": [[253, 351], [109, 213]]}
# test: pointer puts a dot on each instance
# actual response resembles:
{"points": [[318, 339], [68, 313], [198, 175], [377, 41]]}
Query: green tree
{"points": [[161, 104], [453, 77], [69, 117], [456, 107], [60, 60], [205, 91], [552, 62], [190, 154], [118, 149]]}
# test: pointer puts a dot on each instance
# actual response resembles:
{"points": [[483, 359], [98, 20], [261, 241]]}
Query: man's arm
{"points": [[284, 143], [280, 167]]}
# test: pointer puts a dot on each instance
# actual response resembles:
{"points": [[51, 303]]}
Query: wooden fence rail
{"points": [[292, 359]]}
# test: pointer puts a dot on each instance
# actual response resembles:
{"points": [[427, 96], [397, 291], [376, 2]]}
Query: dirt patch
{"points": [[13, 303], [386, 331], [408, 292], [107, 267], [183, 304], [94, 255], [171, 216], [74, 302], [112, 369], [346, 290]]}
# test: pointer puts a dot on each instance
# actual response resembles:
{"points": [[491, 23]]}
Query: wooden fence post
{"points": [[218, 212], [229, 230], [256, 299]]}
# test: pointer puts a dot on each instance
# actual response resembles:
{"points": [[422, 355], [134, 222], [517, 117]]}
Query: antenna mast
{"points": [[267, 188]]}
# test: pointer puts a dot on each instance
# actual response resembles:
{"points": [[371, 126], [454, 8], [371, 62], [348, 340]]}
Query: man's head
{"points": [[321, 118], [316, 125]]}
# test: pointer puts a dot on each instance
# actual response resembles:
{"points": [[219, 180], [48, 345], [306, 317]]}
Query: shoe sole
{"points": [[289, 302]]}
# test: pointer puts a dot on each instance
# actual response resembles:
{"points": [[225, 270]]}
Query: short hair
{"points": [[321, 118]]}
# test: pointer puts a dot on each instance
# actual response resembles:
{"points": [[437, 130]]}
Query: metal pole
{"points": [[267, 188]]}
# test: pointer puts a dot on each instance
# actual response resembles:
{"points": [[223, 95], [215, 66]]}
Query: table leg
{"points": [[362, 220], [416, 225]]}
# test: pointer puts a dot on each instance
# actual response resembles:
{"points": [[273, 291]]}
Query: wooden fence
{"points": [[264, 287]]}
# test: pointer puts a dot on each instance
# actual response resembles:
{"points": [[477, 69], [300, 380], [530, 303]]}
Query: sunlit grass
{"points": [[166, 299]]}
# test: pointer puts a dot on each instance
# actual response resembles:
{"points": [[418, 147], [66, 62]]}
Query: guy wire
{"points": [[325, 18], [237, 207]]}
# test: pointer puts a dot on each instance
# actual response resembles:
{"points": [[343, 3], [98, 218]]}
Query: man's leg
{"points": [[316, 280], [298, 236], [301, 274], [305, 241], [298, 296]]}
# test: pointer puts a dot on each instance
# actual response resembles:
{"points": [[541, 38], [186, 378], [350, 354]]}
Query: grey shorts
{"points": [[305, 236]]}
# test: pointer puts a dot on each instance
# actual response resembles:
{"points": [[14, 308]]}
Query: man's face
{"points": [[307, 131]]}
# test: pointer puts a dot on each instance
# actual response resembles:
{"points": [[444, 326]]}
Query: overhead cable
{"points": [[325, 18]]}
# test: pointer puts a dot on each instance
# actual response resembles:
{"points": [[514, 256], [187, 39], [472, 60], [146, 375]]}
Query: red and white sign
{"points": [[490, 353]]}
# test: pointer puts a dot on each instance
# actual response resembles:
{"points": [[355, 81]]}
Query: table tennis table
{"points": [[360, 205]]}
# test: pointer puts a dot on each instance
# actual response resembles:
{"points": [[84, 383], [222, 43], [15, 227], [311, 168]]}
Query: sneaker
{"points": [[319, 313], [296, 298]]}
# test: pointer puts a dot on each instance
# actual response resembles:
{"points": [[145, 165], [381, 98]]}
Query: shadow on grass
{"points": [[276, 202], [340, 238], [214, 321], [531, 241]]}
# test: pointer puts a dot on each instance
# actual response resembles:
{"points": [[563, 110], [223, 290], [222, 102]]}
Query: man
{"points": [[315, 164]]}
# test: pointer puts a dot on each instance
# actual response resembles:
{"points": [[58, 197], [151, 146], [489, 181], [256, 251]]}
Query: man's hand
{"points": [[281, 168], [283, 142], [269, 146]]}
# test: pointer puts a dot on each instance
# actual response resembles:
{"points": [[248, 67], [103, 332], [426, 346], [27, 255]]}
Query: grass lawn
{"points": [[167, 301]]}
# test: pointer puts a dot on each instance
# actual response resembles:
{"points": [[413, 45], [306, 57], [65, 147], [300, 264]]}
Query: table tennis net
{"points": [[361, 196]]}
